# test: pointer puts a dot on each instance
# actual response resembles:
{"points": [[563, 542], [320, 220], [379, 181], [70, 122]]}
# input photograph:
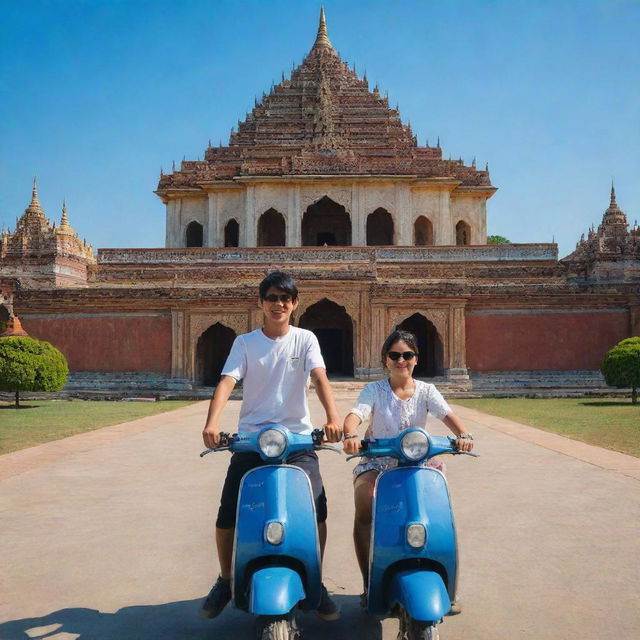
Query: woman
{"points": [[393, 404]]}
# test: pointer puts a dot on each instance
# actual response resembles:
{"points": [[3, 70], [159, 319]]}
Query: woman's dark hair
{"points": [[396, 336], [281, 281]]}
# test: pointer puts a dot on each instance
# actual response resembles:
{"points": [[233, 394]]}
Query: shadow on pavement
{"points": [[180, 621]]}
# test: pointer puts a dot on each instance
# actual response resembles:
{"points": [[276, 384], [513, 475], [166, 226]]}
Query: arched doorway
{"points": [[431, 358], [422, 231], [212, 350], [326, 222], [271, 229], [194, 234], [231, 233], [334, 329], [4, 317], [379, 228], [463, 233]]}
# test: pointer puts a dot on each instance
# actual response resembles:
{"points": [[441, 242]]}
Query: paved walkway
{"points": [[108, 535]]}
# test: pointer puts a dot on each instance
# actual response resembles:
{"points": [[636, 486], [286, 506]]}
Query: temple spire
{"points": [[613, 195], [35, 203], [322, 39]]}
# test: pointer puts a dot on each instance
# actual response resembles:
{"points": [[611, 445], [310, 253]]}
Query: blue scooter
{"points": [[276, 553], [413, 560]]}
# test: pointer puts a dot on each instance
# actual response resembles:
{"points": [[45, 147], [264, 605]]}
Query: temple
{"points": [[324, 180]]}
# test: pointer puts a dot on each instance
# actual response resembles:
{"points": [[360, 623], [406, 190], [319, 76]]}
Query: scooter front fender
{"points": [[274, 591], [421, 593]]}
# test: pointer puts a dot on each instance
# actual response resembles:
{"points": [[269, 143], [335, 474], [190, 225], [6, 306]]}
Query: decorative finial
{"points": [[438, 144], [322, 39], [35, 203], [64, 221], [613, 194]]}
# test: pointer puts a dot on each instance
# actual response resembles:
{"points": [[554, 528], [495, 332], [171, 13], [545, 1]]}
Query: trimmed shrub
{"points": [[621, 366], [27, 364]]}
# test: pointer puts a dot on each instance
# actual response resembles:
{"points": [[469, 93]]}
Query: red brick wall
{"points": [[107, 343], [539, 341]]}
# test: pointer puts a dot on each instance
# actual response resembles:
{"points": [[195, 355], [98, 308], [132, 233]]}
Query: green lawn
{"points": [[610, 423], [46, 420]]}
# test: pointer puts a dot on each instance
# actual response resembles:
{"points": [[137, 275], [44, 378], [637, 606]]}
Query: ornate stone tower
{"points": [[610, 253], [40, 255], [323, 160]]}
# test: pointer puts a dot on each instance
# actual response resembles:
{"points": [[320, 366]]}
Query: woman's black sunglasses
{"points": [[283, 297], [396, 355]]}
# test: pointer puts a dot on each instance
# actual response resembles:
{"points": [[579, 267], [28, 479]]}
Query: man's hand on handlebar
{"points": [[211, 436], [332, 431]]}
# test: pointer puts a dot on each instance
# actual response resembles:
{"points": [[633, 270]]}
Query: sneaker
{"points": [[327, 609], [456, 608], [217, 599]]}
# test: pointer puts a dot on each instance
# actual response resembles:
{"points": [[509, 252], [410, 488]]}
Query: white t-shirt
{"points": [[391, 414], [275, 375]]}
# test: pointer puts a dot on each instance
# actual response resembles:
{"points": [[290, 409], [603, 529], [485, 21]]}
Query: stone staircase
{"points": [[126, 384], [539, 383], [150, 385]]}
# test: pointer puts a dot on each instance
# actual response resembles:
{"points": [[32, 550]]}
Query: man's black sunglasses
{"points": [[396, 355], [283, 297]]}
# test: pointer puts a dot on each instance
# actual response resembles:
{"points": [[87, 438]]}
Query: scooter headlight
{"points": [[272, 443], [416, 535], [274, 532], [414, 445]]}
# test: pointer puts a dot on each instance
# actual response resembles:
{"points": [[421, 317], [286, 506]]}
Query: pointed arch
{"points": [[422, 231], [5, 316], [325, 222], [430, 346], [194, 234], [272, 229], [232, 233], [212, 349], [333, 327], [379, 228], [463, 233]]}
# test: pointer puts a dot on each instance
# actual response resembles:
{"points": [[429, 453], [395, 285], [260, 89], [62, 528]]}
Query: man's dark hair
{"points": [[281, 281]]}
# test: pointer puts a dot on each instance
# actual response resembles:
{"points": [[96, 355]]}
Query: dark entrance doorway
{"points": [[211, 353], [271, 229], [4, 317], [326, 222], [334, 329], [422, 231], [231, 233], [379, 228], [431, 359], [194, 234]]}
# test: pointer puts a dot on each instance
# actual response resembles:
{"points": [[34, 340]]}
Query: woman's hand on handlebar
{"points": [[351, 446], [463, 444]]}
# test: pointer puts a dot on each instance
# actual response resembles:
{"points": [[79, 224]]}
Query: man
{"points": [[275, 363]]}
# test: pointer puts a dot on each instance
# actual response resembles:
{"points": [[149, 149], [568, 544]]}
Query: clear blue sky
{"points": [[97, 95]]}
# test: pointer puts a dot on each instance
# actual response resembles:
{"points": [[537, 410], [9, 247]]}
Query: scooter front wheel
{"points": [[411, 629], [278, 628]]}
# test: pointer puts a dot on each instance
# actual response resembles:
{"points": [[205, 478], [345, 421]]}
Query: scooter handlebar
{"points": [[391, 447], [239, 442]]}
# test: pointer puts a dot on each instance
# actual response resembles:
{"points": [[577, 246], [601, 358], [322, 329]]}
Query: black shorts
{"points": [[243, 462]]}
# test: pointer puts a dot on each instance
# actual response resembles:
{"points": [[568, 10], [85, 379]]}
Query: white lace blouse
{"points": [[390, 415]]}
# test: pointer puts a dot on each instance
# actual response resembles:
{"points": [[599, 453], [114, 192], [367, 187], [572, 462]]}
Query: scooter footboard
{"points": [[274, 591], [421, 593]]}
